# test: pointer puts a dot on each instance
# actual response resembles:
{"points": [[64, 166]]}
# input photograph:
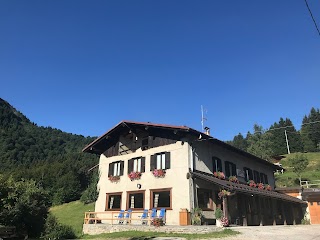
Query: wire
{"points": [[314, 21]]}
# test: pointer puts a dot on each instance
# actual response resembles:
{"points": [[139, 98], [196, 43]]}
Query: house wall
{"points": [[176, 178], [314, 211], [204, 151]]}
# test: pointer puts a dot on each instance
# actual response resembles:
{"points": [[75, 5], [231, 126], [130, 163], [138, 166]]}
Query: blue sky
{"points": [[83, 66]]}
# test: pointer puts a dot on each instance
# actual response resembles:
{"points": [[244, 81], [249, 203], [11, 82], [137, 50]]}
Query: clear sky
{"points": [[83, 66]]}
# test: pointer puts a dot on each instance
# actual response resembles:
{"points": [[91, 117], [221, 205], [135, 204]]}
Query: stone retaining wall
{"points": [[94, 229]]}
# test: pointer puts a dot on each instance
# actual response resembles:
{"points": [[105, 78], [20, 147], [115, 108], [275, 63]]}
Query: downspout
{"points": [[191, 181]]}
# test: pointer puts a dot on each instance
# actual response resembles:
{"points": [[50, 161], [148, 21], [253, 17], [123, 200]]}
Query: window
{"points": [[204, 198], [231, 169], [247, 174], [136, 165], [160, 161], [135, 200], [160, 198], [116, 168], [264, 178], [217, 165], [256, 177], [113, 201]]}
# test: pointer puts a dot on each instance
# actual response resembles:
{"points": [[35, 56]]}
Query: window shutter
{"points": [[234, 170], [153, 162], [250, 174], [227, 167], [262, 177], [143, 164], [121, 167], [219, 164], [130, 166], [265, 178], [110, 172], [167, 154]]}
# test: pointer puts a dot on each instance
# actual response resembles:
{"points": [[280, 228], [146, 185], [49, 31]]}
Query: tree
{"points": [[299, 163], [278, 138], [259, 143], [23, 205], [310, 131], [240, 142]]}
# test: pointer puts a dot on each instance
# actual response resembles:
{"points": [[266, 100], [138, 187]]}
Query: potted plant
{"points": [[114, 178], [159, 173], [218, 214], [219, 175], [196, 216], [233, 179], [251, 183], [223, 193], [134, 175]]}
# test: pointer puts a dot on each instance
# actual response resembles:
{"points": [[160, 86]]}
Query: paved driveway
{"points": [[298, 232]]}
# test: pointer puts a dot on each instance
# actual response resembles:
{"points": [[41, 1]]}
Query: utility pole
{"points": [[285, 133]]}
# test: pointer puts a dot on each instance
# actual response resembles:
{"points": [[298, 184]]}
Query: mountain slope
{"points": [[51, 157]]}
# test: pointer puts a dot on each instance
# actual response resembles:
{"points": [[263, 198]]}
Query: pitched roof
{"points": [[110, 137], [244, 188]]}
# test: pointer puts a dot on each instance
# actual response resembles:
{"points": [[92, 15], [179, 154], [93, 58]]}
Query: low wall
{"points": [[94, 229]]}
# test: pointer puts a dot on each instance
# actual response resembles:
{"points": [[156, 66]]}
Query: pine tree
{"points": [[310, 131]]}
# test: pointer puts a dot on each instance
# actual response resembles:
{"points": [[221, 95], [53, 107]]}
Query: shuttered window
{"points": [[231, 169], [217, 164], [160, 161], [136, 165], [116, 168], [248, 174]]}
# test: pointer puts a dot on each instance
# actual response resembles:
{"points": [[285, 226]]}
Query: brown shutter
{"points": [[227, 167], [130, 166], [110, 172], [153, 162], [143, 164], [121, 167], [234, 170], [167, 155]]}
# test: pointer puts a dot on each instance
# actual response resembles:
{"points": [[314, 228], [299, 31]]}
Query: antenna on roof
{"points": [[202, 118], [204, 129]]}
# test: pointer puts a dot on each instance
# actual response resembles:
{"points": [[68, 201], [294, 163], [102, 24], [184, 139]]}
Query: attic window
{"points": [[145, 143]]}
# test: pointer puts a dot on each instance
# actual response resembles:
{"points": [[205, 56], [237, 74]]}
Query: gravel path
{"points": [[298, 232]]}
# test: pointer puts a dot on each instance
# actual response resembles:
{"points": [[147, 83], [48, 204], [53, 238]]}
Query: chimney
{"points": [[207, 131]]}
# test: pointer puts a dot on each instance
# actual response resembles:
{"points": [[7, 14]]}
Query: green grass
{"points": [[138, 235], [72, 214], [290, 179]]}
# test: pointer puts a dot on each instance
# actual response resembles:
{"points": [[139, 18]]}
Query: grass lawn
{"points": [[72, 214], [290, 179], [138, 235]]}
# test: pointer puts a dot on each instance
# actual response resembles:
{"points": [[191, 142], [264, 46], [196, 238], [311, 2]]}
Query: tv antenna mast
{"points": [[203, 118]]}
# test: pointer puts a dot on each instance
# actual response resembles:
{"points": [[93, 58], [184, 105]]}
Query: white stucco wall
{"points": [[175, 178], [204, 151]]}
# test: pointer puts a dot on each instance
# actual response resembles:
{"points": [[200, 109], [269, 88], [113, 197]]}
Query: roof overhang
{"points": [[241, 188]]}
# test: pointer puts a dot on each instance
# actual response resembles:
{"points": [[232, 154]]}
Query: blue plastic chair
{"points": [[162, 214], [120, 216], [144, 217], [127, 217], [153, 213]]}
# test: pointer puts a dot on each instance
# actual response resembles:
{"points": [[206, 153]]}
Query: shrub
{"points": [[218, 213], [55, 230]]}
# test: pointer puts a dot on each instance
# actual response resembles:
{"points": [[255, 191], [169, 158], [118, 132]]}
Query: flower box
{"points": [[159, 173], [268, 187], [114, 178], [219, 175], [134, 175], [260, 186], [233, 179], [251, 183]]}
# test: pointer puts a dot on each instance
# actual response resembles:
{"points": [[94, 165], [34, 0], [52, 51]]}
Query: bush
{"points": [[218, 213], [55, 230]]}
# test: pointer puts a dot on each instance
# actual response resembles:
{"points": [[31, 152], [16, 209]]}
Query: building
{"points": [[173, 167]]}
